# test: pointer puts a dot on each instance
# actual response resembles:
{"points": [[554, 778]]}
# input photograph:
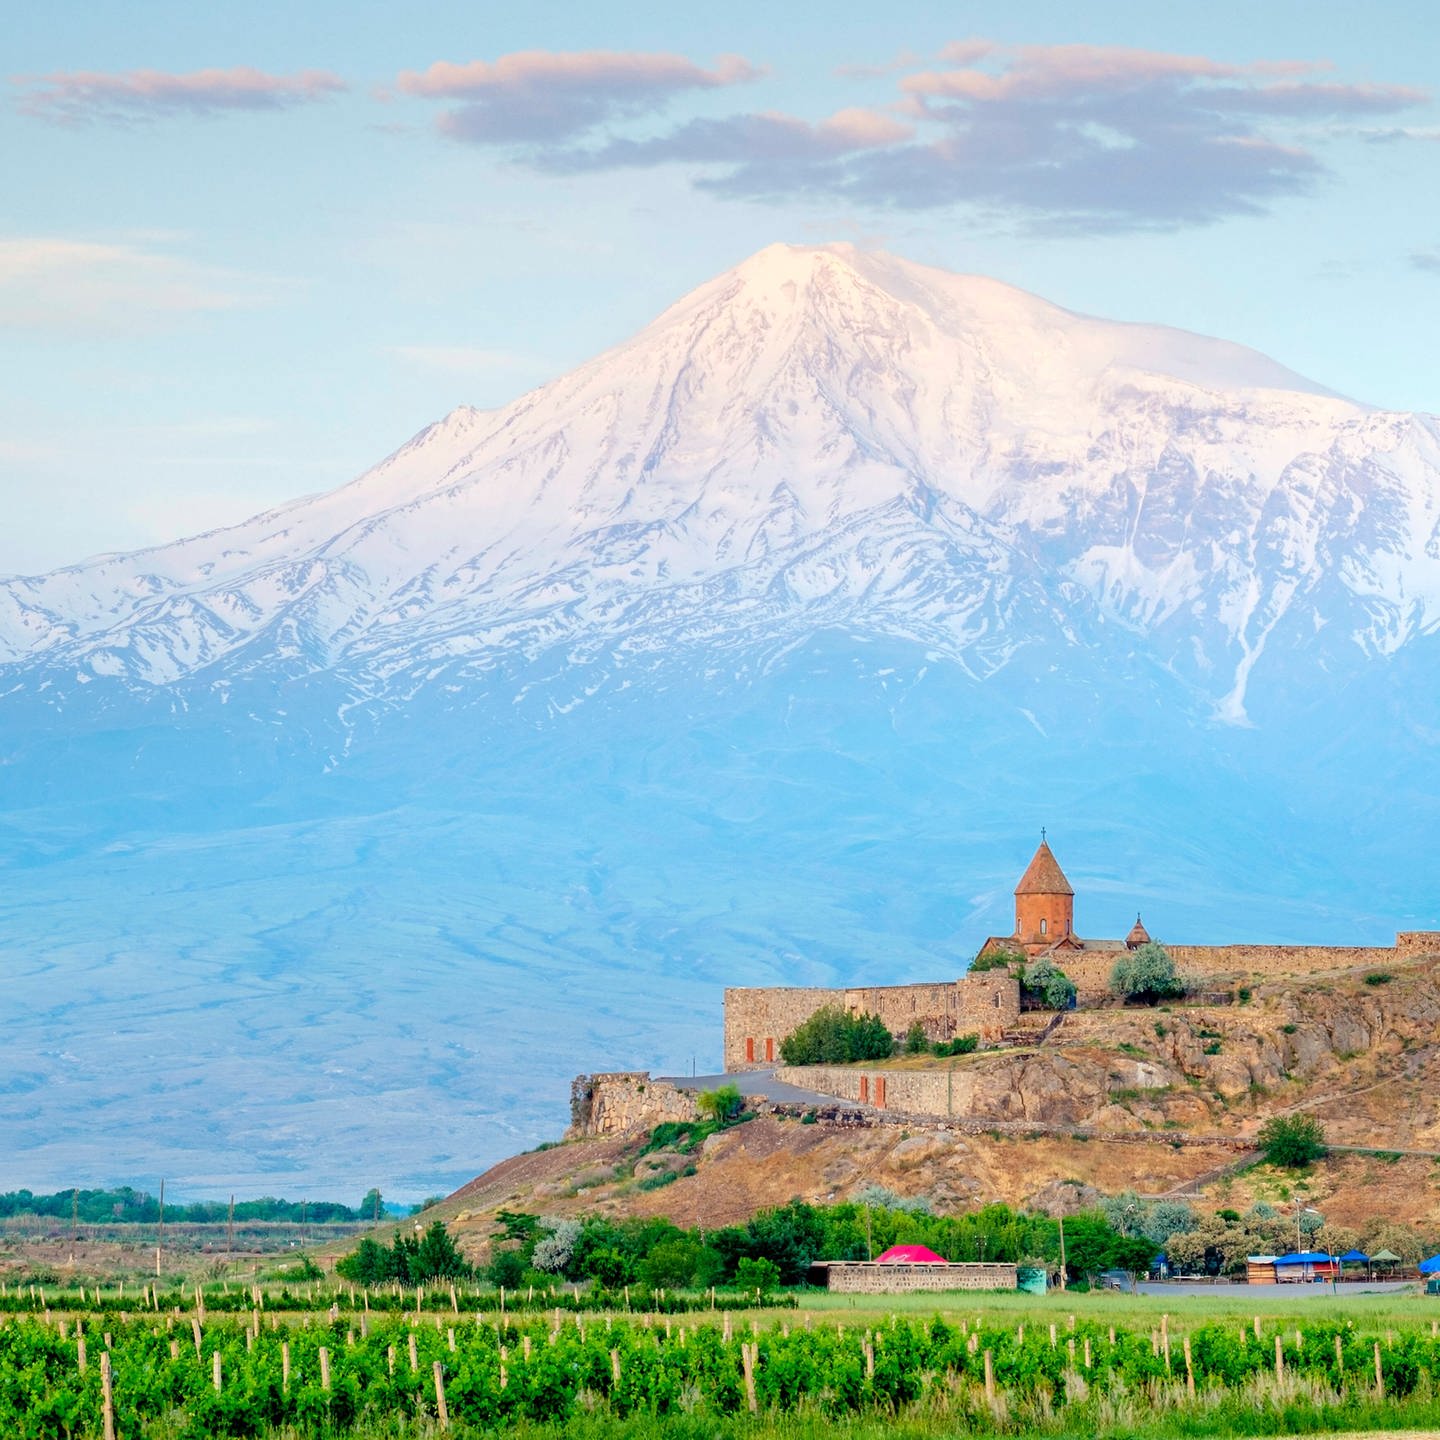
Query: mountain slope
{"points": [[755, 649]]}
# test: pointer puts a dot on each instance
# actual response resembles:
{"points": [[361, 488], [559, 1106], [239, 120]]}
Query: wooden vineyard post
{"points": [[80, 1351], [450, 1333], [869, 1357], [414, 1358], [504, 1370], [215, 1376], [284, 1365], [990, 1378], [1379, 1374], [390, 1358], [1257, 1327], [1087, 1352], [1339, 1357], [747, 1359], [1165, 1340], [107, 1397], [1189, 1370], [614, 1367], [441, 1409], [1279, 1356], [324, 1369]]}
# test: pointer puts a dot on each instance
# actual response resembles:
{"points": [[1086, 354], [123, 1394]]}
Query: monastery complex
{"points": [[987, 1003]]}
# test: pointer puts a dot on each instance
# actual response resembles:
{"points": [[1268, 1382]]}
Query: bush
{"points": [[760, 1275], [960, 1045], [1001, 959], [721, 1105], [1048, 985], [1146, 974], [916, 1041], [832, 1036], [1293, 1141], [1379, 977]]}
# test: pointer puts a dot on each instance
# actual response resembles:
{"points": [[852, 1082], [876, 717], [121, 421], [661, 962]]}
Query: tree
{"points": [[438, 1257], [1001, 958], [832, 1036], [554, 1252], [1292, 1141], [370, 1263], [916, 1042], [760, 1275], [372, 1207], [1049, 985], [507, 1268], [1146, 974], [721, 1105]]}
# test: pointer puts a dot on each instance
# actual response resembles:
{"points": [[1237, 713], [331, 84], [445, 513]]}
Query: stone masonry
{"points": [[890, 1278], [988, 1004]]}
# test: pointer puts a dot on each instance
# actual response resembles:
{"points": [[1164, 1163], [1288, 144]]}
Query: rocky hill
{"points": [[1160, 1101]]}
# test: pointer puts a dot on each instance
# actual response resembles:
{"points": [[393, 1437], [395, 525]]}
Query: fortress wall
{"points": [[1090, 972], [619, 1101], [889, 1279], [1410, 943], [1275, 960], [913, 1092], [758, 1019]]}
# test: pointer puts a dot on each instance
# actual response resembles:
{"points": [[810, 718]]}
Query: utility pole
{"points": [[1063, 1283], [160, 1231], [230, 1231]]}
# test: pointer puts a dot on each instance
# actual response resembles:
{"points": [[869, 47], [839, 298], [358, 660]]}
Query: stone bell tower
{"points": [[1044, 903]]}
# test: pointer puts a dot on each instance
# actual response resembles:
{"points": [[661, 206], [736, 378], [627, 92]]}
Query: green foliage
{"points": [[1379, 977], [1245, 994], [1292, 1141], [758, 1275], [410, 1259], [916, 1041], [1213, 1048], [1001, 958], [1047, 985], [720, 1105], [1146, 974], [832, 1036], [126, 1206], [960, 1045]]}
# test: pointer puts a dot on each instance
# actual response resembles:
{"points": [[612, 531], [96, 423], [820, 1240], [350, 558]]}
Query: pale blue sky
{"points": [[222, 288]]}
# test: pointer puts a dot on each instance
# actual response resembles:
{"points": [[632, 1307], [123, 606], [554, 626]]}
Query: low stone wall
{"points": [[890, 1279], [621, 1101]]}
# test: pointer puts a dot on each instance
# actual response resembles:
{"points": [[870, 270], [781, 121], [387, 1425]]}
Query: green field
{"points": [[1090, 1364]]}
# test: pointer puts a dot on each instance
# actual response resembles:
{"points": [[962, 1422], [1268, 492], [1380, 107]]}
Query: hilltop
{"points": [[1108, 1103]]}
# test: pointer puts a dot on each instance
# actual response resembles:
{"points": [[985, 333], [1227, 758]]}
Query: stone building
{"points": [[987, 1003]]}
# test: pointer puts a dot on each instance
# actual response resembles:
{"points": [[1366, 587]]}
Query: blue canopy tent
{"points": [[1304, 1266], [1430, 1266], [1354, 1257]]}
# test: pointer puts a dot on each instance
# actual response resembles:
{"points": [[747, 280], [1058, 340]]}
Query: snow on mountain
{"points": [[816, 438], [754, 651]]}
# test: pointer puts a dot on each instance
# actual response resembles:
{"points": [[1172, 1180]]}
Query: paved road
{"points": [[760, 1083]]}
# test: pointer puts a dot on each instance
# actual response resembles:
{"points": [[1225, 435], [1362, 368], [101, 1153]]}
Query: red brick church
{"points": [[1045, 914]]}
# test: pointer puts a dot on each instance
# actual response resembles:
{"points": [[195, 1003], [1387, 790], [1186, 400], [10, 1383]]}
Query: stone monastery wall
{"points": [[620, 1101], [757, 1020]]}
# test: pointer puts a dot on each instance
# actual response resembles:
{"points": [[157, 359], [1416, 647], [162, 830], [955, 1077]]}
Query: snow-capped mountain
{"points": [[755, 650], [817, 438]]}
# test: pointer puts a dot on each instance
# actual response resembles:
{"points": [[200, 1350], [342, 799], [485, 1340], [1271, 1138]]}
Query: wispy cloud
{"points": [[551, 96], [1427, 259], [69, 286], [1065, 137], [75, 96]]}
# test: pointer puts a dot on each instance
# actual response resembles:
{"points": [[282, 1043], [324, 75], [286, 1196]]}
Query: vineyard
{"points": [[362, 1366]]}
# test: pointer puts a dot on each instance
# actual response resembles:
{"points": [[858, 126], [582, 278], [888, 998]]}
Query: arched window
{"points": [[1044, 925]]}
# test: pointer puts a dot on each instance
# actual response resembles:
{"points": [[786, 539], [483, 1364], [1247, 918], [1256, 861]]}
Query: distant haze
{"points": [[756, 650]]}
